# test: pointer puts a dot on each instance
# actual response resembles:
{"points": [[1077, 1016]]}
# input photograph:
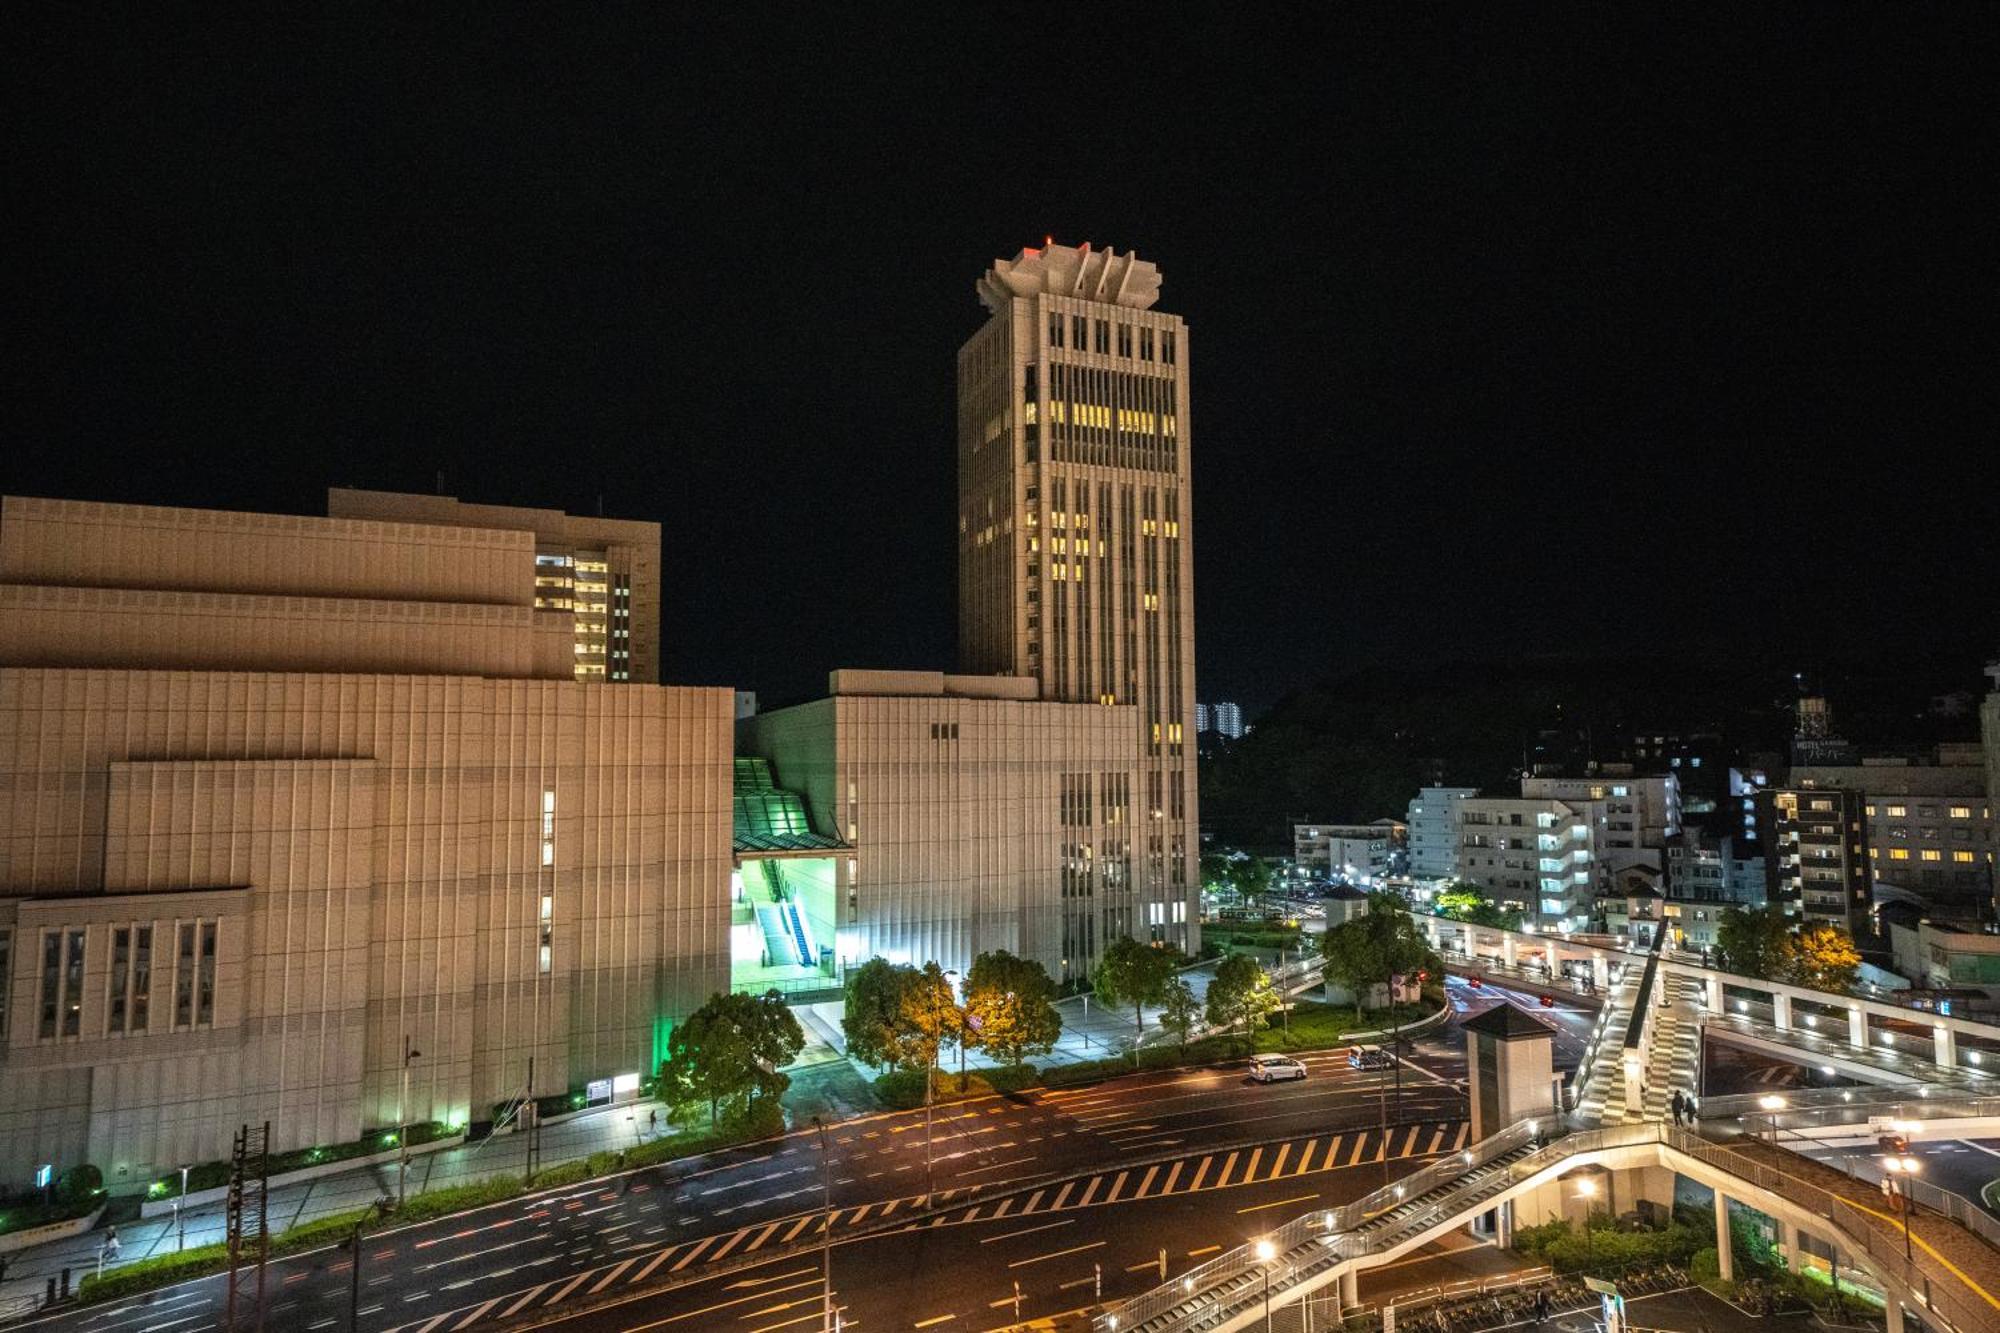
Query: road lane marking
{"points": [[653, 1263], [566, 1288], [1172, 1176], [1222, 1178], [1145, 1182], [1079, 1249], [1089, 1191], [1360, 1141], [688, 1258], [762, 1236], [1278, 1167], [1206, 1249], [935, 1319], [1200, 1173], [1064, 1194], [1028, 1231], [1250, 1167], [1116, 1185], [526, 1297], [1280, 1203]]}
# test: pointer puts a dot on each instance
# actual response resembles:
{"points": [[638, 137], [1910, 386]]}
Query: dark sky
{"points": [[1672, 324]]}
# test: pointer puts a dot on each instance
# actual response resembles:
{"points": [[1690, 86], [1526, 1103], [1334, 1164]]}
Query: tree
{"points": [[1755, 943], [930, 1019], [1823, 958], [1375, 948], [1229, 871], [730, 1048], [1010, 1006], [1136, 974], [1180, 1010], [1467, 901], [1241, 995], [873, 1022]]}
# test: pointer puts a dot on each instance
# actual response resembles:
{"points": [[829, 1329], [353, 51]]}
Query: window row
{"points": [[129, 978], [1082, 333]]}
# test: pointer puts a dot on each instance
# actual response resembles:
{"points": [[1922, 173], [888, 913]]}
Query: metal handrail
{"points": [[1319, 1241], [1940, 1200]]}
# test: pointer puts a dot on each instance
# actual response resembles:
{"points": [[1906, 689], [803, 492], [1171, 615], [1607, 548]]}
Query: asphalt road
{"points": [[1963, 1166], [741, 1201]]}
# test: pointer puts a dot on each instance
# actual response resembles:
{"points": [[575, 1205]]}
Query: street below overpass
{"points": [[1139, 1141]]}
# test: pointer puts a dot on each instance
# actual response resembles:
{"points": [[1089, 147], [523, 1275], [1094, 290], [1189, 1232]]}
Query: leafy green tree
{"points": [[1136, 974], [873, 1023], [1468, 901], [1010, 1006], [1755, 942], [1823, 958], [1180, 1010], [1230, 871], [1372, 949], [930, 1019], [1241, 995], [731, 1049]]}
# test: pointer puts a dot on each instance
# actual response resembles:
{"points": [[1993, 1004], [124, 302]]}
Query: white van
{"points": [[1369, 1057], [1273, 1068]]}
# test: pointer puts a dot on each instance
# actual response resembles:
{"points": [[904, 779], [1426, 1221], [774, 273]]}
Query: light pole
{"points": [[403, 1124], [1899, 1168], [930, 1080], [180, 1212], [826, 1234], [1586, 1189], [1266, 1252]]}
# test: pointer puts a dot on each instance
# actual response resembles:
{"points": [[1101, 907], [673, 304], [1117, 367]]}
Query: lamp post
{"points": [[403, 1124], [1899, 1169], [930, 1080], [180, 1212], [1586, 1189], [826, 1232], [1266, 1252]]}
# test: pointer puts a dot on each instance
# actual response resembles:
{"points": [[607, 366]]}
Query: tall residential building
{"points": [[1816, 857], [1433, 820], [1224, 719], [283, 797], [1076, 564], [602, 573], [1536, 855], [1930, 826], [1640, 812]]}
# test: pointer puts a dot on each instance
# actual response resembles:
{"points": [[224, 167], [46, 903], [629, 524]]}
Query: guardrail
{"points": [[1317, 1243]]}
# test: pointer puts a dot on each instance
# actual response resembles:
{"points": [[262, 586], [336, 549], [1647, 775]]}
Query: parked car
{"points": [[1275, 1068], [1370, 1057]]}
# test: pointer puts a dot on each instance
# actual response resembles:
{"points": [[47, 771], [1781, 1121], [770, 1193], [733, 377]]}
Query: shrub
{"points": [[457, 1198], [79, 1184], [900, 1089], [1705, 1265], [333, 1229], [156, 1271]]}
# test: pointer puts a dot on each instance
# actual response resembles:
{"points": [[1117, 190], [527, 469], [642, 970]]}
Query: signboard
{"points": [[597, 1090], [44, 1174], [1389, 1319], [624, 1084], [1600, 1286]]}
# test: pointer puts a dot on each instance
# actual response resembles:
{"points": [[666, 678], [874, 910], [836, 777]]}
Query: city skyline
{"points": [[1437, 337]]}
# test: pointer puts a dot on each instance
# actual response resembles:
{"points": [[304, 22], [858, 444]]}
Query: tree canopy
{"points": [[1136, 974], [1180, 1010], [1228, 870], [729, 1049], [1756, 942], [1468, 901], [1241, 995], [1824, 958], [1010, 1006], [873, 1022], [1371, 950]]}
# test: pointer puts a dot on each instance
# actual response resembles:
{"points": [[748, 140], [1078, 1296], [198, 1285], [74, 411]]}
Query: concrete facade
{"points": [[1433, 820], [1930, 825], [1076, 563], [1332, 848], [1535, 855], [230, 894], [978, 814]]}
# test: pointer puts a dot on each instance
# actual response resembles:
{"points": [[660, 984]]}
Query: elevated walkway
{"points": [[1950, 1277]]}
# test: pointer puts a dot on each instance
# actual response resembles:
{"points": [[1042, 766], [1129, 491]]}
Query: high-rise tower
{"points": [[1075, 560]]}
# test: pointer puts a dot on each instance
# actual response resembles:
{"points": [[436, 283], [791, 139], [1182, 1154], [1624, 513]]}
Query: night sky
{"points": [[1515, 329]]}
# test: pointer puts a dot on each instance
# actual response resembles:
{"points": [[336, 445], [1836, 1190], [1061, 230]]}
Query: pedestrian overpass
{"points": [[1658, 1009]]}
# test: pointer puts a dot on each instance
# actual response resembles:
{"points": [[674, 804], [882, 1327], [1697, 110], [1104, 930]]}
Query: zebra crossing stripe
{"points": [[797, 1227], [653, 1263], [1250, 1167], [1409, 1144], [466, 1322], [1360, 1142], [611, 1277], [1090, 1191], [1278, 1167], [860, 1213], [1145, 1181], [762, 1236], [688, 1258], [526, 1296], [1464, 1131], [730, 1243], [1067, 1187], [1172, 1176], [1116, 1185], [566, 1288], [1222, 1177], [1201, 1172], [1033, 1200], [998, 1213], [1305, 1157]]}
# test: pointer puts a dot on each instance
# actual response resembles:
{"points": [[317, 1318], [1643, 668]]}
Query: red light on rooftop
{"points": [[1048, 241]]}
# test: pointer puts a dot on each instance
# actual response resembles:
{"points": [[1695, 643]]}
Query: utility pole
{"points": [[930, 1071], [533, 1111], [403, 1124], [826, 1231], [354, 1284]]}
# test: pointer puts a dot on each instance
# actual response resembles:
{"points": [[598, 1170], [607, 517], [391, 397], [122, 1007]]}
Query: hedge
{"points": [[214, 1175]]}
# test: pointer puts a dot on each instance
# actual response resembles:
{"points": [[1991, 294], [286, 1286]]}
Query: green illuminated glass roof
{"points": [[769, 818]]}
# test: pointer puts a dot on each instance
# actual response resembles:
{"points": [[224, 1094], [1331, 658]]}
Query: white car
{"points": [[1273, 1068]]}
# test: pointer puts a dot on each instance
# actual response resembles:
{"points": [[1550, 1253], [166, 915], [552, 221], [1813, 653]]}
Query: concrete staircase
{"points": [[1604, 1075], [1675, 1058]]}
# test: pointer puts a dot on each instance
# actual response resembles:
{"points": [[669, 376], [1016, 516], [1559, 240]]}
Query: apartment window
{"points": [[205, 998], [121, 961], [1167, 346], [142, 978], [6, 978], [1103, 331], [184, 976], [1145, 344], [1055, 330], [1963, 858], [1898, 811], [548, 929], [548, 828], [72, 1017], [1961, 812], [1932, 854], [1899, 853], [1125, 340], [51, 991]]}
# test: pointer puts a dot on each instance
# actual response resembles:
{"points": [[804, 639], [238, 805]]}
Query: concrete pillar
{"points": [[1947, 1046], [1600, 971], [1892, 1309], [1723, 1259], [1713, 985], [1350, 1287], [1857, 1027], [1503, 1226], [1781, 1011], [1788, 1243], [1509, 950]]}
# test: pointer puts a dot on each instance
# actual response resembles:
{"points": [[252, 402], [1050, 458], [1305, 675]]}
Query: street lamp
{"points": [[1586, 1190], [403, 1123], [180, 1212], [826, 1233], [1266, 1252], [930, 1078], [1898, 1168]]}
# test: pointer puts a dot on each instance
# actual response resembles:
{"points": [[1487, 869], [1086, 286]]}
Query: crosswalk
{"points": [[1222, 1169]]}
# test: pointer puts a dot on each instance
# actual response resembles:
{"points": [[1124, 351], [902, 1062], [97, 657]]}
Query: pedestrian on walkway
{"points": [[1677, 1104], [1542, 1306], [1692, 1113]]}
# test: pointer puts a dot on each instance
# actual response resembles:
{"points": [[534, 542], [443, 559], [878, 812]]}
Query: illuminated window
{"points": [[1961, 812], [1932, 854], [1869, 810], [1963, 858], [1898, 811], [1899, 853]]}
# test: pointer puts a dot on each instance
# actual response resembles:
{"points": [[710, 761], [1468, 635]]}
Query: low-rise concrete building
{"points": [[1433, 825], [1357, 853]]}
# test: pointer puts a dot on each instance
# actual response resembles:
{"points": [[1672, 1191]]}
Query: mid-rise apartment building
{"points": [[1076, 559], [1535, 855], [1930, 825], [1640, 812], [1816, 857], [1433, 824], [1224, 719], [1358, 853]]}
